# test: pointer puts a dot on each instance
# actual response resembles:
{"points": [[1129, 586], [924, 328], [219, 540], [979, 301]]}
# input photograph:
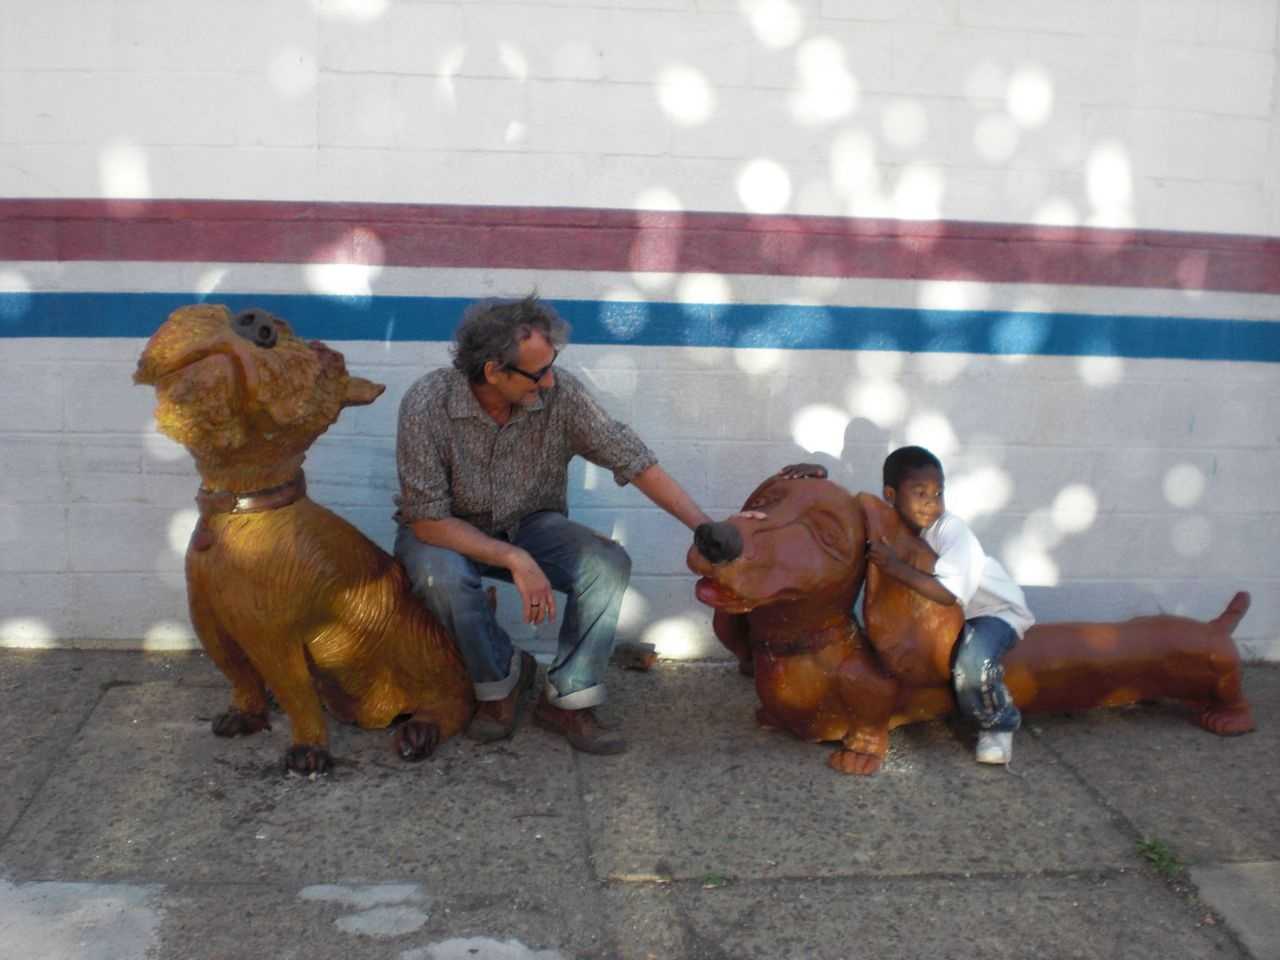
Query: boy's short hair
{"points": [[906, 459]]}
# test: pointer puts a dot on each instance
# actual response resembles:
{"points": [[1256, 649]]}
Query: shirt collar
{"points": [[462, 403]]}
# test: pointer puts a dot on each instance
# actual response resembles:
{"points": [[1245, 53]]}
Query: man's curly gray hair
{"points": [[494, 329]]}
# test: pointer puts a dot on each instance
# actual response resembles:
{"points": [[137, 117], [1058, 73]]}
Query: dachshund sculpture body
{"points": [[284, 595], [783, 576]]}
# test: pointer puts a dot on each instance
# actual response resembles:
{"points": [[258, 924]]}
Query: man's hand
{"points": [[798, 471], [535, 589]]}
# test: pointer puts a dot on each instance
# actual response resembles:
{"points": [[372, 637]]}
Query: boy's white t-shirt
{"points": [[981, 585]]}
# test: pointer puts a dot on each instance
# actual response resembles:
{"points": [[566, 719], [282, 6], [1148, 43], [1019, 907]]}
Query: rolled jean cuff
{"points": [[499, 689], [579, 699]]}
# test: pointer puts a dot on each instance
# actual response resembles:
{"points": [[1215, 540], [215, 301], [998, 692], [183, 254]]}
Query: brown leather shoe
{"points": [[496, 719], [580, 727]]}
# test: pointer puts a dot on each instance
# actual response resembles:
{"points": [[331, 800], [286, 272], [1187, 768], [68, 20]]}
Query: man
{"points": [[483, 450]]}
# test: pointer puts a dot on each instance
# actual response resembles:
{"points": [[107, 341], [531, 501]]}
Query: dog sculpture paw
{"points": [[305, 759], [416, 740], [237, 723]]}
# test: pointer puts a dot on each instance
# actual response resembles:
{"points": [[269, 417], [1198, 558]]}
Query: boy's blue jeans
{"points": [[977, 674], [590, 569]]}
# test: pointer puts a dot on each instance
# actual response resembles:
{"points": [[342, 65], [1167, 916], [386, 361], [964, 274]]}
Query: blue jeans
{"points": [[590, 569], [978, 675]]}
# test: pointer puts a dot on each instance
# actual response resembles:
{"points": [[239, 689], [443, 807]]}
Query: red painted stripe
{"points": [[552, 238]]}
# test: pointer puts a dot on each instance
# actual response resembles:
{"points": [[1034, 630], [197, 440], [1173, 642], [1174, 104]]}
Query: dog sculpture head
{"points": [[243, 394], [802, 562], [807, 546]]}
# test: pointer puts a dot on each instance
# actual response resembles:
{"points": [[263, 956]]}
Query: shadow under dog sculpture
{"points": [[285, 595], [783, 589]]}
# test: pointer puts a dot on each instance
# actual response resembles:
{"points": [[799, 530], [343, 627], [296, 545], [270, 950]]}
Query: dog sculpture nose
{"points": [[718, 542], [257, 325]]}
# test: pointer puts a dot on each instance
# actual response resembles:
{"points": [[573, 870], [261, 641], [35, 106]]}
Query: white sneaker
{"points": [[995, 746]]}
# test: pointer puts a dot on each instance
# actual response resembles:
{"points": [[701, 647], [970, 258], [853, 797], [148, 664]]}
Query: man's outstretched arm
{"points": [[660, 487]]}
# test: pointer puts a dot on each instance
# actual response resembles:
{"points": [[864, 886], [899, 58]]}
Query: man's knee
{"points": [[608, 560]]}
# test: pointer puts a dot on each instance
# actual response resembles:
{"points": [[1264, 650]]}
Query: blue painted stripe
{"points": [[671, 324]]}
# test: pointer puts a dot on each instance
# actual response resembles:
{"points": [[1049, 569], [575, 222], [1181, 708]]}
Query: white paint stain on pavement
{"points": [[479, 948], [384, 910], [77, 921]]}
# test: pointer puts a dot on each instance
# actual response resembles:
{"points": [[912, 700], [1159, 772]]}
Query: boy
{"points": [[995, 610]]}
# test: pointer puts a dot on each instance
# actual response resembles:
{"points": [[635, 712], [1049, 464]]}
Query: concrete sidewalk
{"points": [[128, 830]]}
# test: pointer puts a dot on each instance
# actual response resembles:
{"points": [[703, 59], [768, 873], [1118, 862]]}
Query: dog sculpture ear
{"points": [[912, 634], [361, 392]]}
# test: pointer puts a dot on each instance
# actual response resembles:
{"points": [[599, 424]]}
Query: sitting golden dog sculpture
{"points": [[783, 577], [285, 595]]}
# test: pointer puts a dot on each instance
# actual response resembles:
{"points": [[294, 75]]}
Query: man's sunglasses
{"points": [[537, 375]]}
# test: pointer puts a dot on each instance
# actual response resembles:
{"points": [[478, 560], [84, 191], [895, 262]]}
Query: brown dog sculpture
{"points": [[285, 595], [783, 575]]}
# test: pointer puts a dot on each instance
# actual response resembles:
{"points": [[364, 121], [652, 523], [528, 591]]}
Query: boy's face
{"points": [[918, 498]]}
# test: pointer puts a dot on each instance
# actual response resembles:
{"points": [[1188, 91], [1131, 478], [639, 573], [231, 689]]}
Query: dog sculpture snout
{"points": [[718, 542], [257, 326]]}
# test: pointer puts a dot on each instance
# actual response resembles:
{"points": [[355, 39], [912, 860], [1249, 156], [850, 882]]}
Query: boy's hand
{"points": [[882, 554]]}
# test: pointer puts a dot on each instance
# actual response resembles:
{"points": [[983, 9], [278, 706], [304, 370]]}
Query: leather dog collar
{"points": [[213, 502]]}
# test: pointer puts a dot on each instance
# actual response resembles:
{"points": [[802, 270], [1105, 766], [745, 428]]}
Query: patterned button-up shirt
{"points": [[456, 461]]}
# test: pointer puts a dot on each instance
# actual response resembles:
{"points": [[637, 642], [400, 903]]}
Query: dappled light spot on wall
{"points": [[1192, 271], [776, 23], [883, 402], [1056, 212], [657, 198], [919, 192], [941, 367], [158, 446], [123, 170], [168, 635], [590, 476], [1184, 485], [853, 170], [1075, 508], [820, 428], [1109, 183], [1191, 536], [1020, 333], [884, 364], [676, 638], [995, 137], [760, 361], [624, 317], [450, 63], [16, 301], [292, 72], [636, 611], [977, 492], [179, 530], [904, 123], [210, 280], [1029, 563], [764, 186], [341, 279], [26, 632], [795, 325], [710, 288], [685, 95], [1101, 371], [1029, 97], [934, 432], [356, 11], [515, 133], [952, 295], [825, 90], [514, 61]]}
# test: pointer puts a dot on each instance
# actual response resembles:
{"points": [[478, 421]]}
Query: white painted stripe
{"points": [[239, 278]]}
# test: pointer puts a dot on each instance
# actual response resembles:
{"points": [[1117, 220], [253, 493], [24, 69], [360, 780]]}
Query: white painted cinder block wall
{"points": [[1125, 486]]}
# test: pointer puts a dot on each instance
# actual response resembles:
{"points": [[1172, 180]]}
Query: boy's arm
{"points": [[883, 556]]}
